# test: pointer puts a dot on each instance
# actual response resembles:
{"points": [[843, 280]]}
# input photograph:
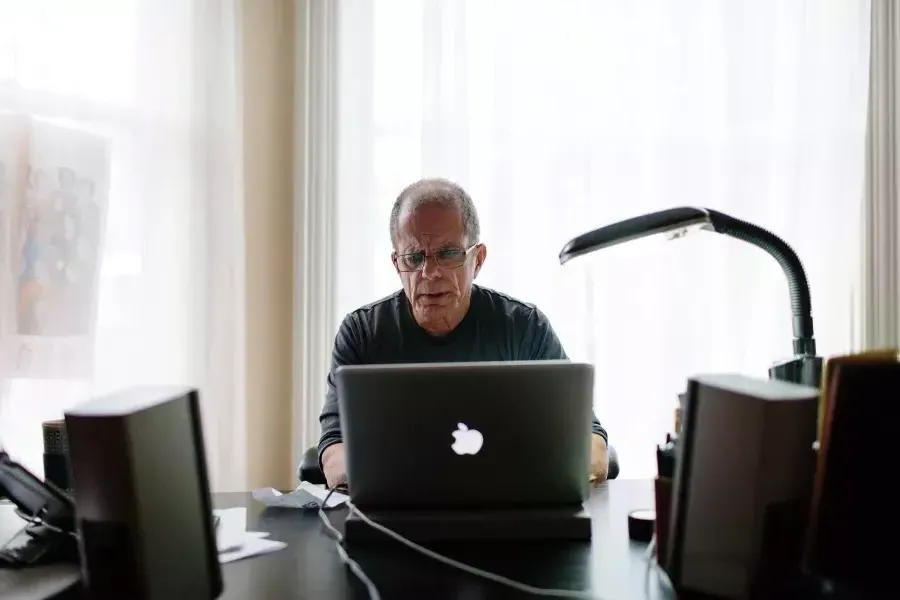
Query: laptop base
{"points": [[557, 523]]}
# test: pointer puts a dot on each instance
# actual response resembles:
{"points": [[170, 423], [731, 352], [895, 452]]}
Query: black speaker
{"points": [[143, 507], [56, 455], [742, 486]]}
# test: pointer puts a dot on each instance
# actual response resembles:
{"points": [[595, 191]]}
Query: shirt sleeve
{"points": [[542, 343], [347, 351]]}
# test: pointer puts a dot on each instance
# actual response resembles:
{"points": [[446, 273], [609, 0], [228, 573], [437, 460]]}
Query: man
{"points": [[439, 315]]}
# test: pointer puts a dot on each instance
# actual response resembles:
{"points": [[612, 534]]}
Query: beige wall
{"points": [[268, 45]]}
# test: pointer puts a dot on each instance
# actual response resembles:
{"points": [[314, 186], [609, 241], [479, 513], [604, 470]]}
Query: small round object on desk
{"points": [[641, 524]]}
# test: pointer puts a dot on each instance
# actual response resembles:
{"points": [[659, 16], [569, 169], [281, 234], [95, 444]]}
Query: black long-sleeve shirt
{"points": [[496, 328]]}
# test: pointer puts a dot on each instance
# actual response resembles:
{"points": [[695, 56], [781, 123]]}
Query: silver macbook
{"points": [[467, 434]]}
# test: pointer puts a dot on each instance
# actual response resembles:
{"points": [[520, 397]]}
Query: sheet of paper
{"points": [[252, 546], [305, 496], [235, 542], [232, 529], [232, 525]]}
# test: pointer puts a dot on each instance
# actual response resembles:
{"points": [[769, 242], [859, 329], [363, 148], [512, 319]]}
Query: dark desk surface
{"points": [[612, 567], [38, 582]]}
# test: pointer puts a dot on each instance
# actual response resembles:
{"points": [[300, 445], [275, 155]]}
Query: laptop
{"points": [[467, 435]]}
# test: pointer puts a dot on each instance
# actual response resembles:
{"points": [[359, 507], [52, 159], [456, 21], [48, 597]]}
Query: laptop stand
{"points": [[571, 523]]}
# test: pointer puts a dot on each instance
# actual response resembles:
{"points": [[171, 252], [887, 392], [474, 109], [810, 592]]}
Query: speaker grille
{"points": [[55, 439]]}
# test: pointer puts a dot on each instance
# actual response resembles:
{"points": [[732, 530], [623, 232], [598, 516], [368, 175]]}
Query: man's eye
{"points": [[449, 254], [415, 259]]}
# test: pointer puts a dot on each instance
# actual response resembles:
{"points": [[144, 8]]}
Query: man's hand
{"points": [[599, 459], [334, 467]]}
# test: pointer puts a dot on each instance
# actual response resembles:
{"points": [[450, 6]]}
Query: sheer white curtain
{"points": [[156, 82], [562, 119]]}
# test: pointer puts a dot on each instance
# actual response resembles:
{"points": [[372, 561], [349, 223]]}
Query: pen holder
{"points": [[662, 488]]}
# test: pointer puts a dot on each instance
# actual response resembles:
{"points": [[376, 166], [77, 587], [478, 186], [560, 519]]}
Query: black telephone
{"points": [[49, 515]]}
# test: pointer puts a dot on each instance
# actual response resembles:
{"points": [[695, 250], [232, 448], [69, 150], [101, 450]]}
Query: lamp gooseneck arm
{"points": [[801, 305]]}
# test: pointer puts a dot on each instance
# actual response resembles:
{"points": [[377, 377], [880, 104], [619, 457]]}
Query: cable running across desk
{"points": [[373, 591], [342, 552]]}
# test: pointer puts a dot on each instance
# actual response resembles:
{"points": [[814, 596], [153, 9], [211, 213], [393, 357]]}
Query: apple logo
{"points": [[466, 441]]}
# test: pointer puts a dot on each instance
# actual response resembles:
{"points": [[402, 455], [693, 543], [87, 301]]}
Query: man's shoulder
{"points": [[501, 304], [375, 310]]}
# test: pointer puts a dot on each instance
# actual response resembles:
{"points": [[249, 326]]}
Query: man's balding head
{"points": [[441, 192]]}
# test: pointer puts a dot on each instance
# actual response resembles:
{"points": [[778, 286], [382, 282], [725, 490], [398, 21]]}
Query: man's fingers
{"points": [[336, 479]]}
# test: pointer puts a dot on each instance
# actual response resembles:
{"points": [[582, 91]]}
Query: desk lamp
{"points": [[805, 368]]}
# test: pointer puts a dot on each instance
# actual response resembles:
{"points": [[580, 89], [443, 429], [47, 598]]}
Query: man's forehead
{"points": [[430, 225], [425, 241]]}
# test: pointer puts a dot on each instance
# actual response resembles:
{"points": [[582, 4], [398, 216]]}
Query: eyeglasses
{"points": [[448, 258]]}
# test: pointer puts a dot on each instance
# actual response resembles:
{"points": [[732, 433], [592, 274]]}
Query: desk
{"points": [[611, 566]]}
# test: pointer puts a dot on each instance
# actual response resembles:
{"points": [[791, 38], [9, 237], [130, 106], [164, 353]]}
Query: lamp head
{"points": [[674, 222]]}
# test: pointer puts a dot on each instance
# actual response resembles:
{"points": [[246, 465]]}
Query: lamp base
{"points": [[805, 370]]}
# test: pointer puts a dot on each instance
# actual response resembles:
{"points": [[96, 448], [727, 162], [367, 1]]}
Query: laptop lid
{"points": [[498, 434]]}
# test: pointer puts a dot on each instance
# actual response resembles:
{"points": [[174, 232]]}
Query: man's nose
{"points": [[430, 269]]}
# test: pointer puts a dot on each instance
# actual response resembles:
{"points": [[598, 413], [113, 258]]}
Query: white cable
{"points": [[360, 574], [651, 560], [338, 537], [342, 552], [653, 566], [345, 558], [517, 585], [651, 549]]}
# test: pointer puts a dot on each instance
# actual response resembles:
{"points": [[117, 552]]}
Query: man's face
{"points": [[438, 288]]}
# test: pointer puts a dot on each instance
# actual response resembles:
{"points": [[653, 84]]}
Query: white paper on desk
{"points": [[305, 496], [235, 542], [252, 546], [232, 526]]}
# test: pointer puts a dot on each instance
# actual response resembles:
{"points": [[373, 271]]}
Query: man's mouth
{"points": [[434, 296]]}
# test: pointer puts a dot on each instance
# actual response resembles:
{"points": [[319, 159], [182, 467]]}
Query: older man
{"points": [[439, 315]]}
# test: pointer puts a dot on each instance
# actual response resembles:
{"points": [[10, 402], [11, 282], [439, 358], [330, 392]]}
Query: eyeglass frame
{"points": [[425, 256]]}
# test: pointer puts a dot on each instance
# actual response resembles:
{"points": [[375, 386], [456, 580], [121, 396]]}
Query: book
{"points": [[852, 529], [886, 355]]}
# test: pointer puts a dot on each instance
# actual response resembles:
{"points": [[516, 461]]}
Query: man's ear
{"points": [[480, 256], [394, 262]]}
